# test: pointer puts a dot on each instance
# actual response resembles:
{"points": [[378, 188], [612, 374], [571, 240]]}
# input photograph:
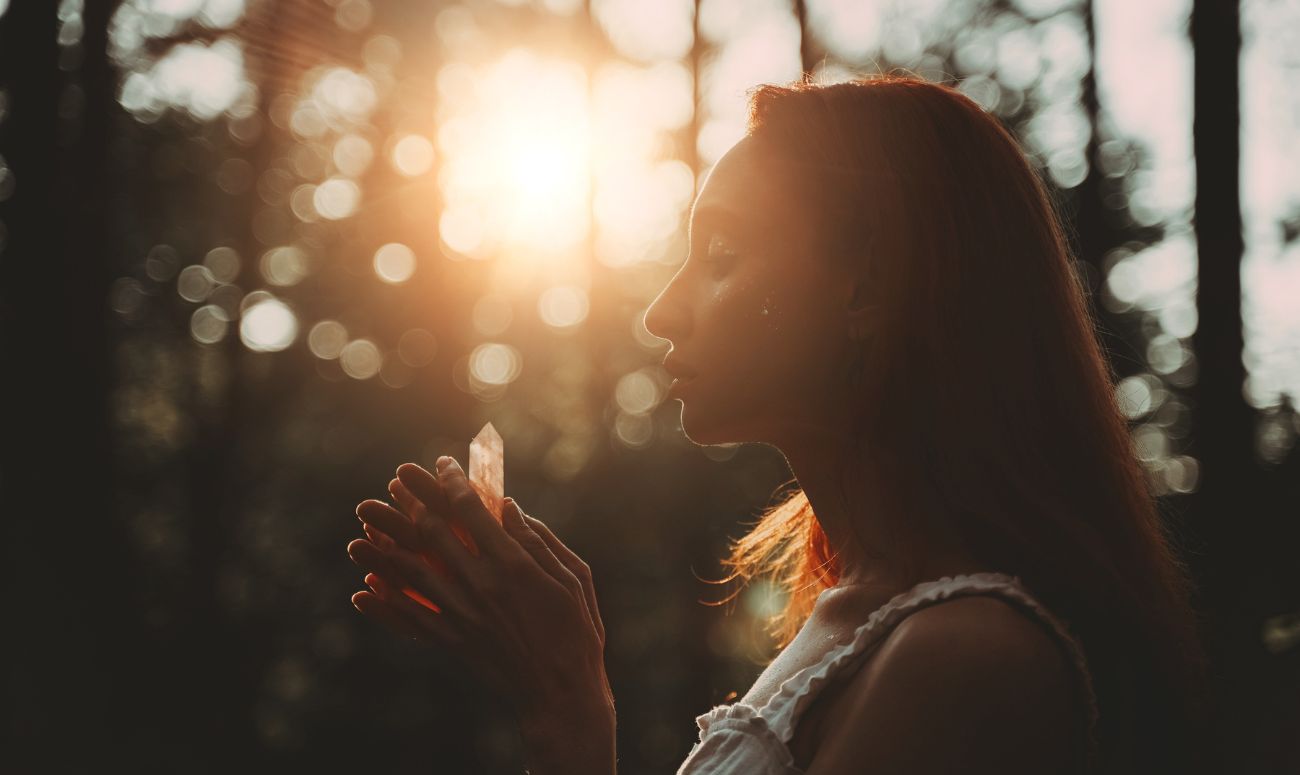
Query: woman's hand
{"points": [[516, 605]]}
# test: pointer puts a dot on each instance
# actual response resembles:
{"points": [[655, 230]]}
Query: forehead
{"points": [[742, 190]]}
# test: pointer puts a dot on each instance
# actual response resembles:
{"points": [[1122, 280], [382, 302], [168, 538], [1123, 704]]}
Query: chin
{"points": [[705, 430]]}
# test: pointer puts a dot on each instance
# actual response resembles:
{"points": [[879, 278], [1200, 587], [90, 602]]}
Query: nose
{"points": [[667, 317]]}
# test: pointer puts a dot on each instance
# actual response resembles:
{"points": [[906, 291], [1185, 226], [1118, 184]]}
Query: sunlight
{"points": [[517, 156], [538, 166]]}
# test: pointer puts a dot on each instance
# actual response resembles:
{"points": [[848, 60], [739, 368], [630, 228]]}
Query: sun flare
{"points": [[518, 161]]}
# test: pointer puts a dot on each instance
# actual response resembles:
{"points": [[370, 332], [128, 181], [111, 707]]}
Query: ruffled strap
{"points": [[782, 710], [739, 712], [745, 720]]}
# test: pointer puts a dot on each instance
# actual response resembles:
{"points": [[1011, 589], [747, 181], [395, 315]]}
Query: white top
{"points": [[738, 738]]}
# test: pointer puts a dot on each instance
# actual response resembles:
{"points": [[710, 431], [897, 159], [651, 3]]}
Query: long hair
{"points": [[986, 397]]}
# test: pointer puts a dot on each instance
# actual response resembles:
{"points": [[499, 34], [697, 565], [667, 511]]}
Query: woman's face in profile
{"points": [[754, 314]]}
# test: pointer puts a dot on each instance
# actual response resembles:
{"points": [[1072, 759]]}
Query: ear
{"points": [[860, 309]]}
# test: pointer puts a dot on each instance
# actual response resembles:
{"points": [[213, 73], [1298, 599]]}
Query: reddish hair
{"points": [[986, 397]]}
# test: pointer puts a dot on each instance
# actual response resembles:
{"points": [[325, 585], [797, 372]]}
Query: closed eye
{"points": [[720, 247], [719, 253]]}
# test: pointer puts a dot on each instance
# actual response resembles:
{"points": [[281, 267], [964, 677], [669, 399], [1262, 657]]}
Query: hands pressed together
{"points": [[507, 598]]}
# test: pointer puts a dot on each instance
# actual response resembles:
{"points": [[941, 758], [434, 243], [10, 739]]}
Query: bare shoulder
{"points": [[967, 685], [980, 627]]}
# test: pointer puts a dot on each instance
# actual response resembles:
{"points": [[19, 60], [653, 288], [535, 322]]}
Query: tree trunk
{"points": [[1231, 513], [74, 664]]}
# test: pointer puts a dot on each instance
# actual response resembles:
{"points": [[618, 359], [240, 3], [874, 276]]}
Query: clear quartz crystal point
{"points": [[487, 469]]}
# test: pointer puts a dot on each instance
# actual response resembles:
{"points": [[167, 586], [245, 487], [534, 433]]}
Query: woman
{"points": [[978, 577]]}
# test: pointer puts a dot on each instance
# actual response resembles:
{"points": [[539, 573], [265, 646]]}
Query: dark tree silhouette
{"points": [[74, 666], [1243, 514]]}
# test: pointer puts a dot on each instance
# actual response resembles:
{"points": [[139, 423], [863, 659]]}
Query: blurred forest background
{"points": [[254, 254]]}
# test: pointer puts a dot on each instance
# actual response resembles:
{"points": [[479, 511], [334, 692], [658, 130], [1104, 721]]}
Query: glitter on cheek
{"points": [[769, 312], [742, 296]]}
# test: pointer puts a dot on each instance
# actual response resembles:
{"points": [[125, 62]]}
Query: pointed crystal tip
{"points": [[487, 468]]}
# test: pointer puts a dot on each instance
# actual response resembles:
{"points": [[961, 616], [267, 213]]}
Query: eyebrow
{"points": [[712, 215]]}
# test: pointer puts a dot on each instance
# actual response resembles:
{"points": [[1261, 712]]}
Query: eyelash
{"points": [[724, 256]]}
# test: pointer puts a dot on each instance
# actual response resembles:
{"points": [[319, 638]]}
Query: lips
{"points": [[678, 370], [677, 385]]}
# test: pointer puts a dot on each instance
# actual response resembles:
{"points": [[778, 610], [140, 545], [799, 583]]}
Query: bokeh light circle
{"points": [[268, 326], [327, 339], [361, 359], [637, 393], [195, 282], [208, 324], [223, 263], [336, 198], [417, 347], [563, 306], [394, 263], [284, 265], [352, 155], [495, 363], [413, 155]]}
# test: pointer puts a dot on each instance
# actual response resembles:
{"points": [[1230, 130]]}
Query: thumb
{"points": [[512, 518]]}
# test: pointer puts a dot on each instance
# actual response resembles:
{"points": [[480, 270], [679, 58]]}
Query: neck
{"points": [[852, 515]]}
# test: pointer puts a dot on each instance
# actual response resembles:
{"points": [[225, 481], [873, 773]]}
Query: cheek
{"points": [[779, 329], [748, 311], [762, 301]]}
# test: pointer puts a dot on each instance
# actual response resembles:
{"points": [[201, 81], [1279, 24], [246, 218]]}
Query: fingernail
{"points": [[447, 464]]}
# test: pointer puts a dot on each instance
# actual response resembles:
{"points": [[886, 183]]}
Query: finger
{"points": [[392, 583], [424, 486], [468, 506], [377, 536], [383, 612], [385, 590], [414, 506], [391, 522], [513, 521], [370, 558], [404, 498], [426, 489], [408, 618], [576, 565], [422, 578], [431, 538], [422, 537], [419, 538]]}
